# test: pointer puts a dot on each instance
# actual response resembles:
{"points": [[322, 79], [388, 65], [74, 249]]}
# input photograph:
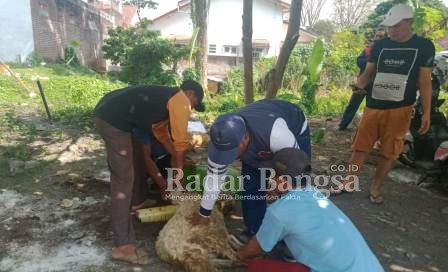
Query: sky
{"points": [[167, 5]]}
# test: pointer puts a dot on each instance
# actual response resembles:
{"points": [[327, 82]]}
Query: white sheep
{"points": [[195, 248]]}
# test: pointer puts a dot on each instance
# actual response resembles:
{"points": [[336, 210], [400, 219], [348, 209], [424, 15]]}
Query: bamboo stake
{"points": [[31, 93], [42, 94]]}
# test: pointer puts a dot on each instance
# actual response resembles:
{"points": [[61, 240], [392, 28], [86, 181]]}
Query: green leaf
{"points": [[315, 60]]}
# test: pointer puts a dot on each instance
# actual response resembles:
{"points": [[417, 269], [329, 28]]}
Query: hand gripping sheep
{"points": [[195, 248]]}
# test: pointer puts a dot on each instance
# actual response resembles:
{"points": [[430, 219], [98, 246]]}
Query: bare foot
{"points": [[145, 204], [131, 254], [123, 250]]}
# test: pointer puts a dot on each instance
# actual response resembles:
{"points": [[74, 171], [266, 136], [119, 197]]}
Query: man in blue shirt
{"points": [[253, 134], [319, 235]]}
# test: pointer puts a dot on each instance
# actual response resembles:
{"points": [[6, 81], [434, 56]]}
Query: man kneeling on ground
{"points": [[319, 235]]}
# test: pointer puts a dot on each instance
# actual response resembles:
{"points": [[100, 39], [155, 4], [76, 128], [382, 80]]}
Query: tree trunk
{"points": [[199, 16], [138, 15], [247, 52], [292, 35]]}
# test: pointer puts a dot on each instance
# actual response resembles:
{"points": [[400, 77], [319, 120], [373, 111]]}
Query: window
{"points": [[257, 52], [230, 49], [212, 48]]}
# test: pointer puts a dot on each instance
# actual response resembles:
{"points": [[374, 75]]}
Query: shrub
{"points": [[234, 81], [76, 96], [340, 66], [145, 57], [70, 57], [190, 74], [34, 59]]}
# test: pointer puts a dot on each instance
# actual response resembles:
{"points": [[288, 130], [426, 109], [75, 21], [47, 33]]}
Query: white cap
{"points": [[398, 13]]}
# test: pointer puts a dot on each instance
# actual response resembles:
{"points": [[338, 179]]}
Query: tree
{"points": [[143, 54], [141, 4], [247, 52], [430, 23], [199, 17], [292, 35], [345, 48], [430, 20], [311, 11], [324, 28], [351, 13], [377, 15]]}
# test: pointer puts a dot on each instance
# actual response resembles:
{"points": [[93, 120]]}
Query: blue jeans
{"points": [[254, 209], [304, 142], [350, 111]]}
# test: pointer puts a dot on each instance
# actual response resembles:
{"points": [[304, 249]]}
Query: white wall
{"points": [[178, 23], [225, 24], [267, 24], [16, 30]]}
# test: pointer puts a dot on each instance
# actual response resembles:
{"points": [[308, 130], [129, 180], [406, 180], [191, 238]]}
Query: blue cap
{"points": [[226, 135]]}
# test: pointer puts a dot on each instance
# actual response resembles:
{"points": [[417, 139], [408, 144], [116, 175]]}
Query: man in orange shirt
{"points": [[147, 108]]}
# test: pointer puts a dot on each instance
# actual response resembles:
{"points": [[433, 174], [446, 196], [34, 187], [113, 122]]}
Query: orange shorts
{"points": [[388, 126]]}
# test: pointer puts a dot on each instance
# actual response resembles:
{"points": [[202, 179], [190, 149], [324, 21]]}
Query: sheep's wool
{"points": [[195, 248]]}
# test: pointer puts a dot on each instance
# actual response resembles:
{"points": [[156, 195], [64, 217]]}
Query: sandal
{"points": [[339, 190], [139, 256], [376, 199]]}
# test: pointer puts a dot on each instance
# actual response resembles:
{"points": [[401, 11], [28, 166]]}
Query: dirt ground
{"points": [[54, 206]]}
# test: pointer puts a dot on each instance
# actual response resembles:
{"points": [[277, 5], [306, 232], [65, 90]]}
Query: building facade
{"points": [[58, 23], [48, 27], [224, 30]]}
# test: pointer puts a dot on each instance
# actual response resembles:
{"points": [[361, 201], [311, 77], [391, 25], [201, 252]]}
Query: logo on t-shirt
{"points": [[394, 62], [393, 69]]}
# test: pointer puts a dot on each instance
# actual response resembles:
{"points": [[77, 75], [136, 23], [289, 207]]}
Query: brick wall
{"points": [[58, 22]]}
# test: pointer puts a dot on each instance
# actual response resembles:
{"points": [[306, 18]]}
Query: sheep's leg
{"points": [[224, 261], [198, 265]]}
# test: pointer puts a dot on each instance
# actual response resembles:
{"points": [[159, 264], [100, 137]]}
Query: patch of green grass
{"points": [[13, 124], [19, 152], [71, 93], [76, 96], [328, 103], [11, 91], [333, 102], [318, 136], [51, 70]]}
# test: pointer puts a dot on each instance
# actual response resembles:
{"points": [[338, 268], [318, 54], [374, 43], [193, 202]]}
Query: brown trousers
{"points": [[128, 179]]}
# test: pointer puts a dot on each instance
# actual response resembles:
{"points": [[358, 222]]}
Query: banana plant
{"points": [[193, 46], [316, 60], [312, 81]]}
